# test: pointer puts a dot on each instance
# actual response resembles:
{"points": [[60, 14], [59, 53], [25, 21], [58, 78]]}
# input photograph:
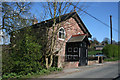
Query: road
{"points": [[106, 71]]}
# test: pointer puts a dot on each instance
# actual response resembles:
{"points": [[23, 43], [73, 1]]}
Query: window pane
{"points": [[62, 33], [75, 49], [69, 49], [59, 34]]}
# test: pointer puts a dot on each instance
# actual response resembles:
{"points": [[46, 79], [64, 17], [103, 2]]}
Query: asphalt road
{"points": [[106, 71]]}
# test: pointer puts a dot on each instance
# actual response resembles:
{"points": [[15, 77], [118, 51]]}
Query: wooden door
{"points": [[82, 56]]}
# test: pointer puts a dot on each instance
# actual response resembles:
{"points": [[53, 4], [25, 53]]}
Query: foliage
{"points": [[93, 43], [25, 55], [93, 52], [110, 50], [106, 41], [15, 15], [32, 74], [111, 59]]}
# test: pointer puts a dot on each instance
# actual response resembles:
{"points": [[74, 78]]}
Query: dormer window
{"points": [[61, 33]]}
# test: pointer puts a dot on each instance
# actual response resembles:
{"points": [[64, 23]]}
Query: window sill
{"points": [[61, 39]]}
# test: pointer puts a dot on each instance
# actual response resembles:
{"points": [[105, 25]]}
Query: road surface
{"points": [[107, 71]]}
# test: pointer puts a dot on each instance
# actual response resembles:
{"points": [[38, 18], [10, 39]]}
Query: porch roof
{"points": [[77, 38]]}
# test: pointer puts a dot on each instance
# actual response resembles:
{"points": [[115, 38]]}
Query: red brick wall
{"points": [[71, 28]]}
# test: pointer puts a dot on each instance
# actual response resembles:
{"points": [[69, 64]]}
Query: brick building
{"points": [[73, 35], [72, 32]]}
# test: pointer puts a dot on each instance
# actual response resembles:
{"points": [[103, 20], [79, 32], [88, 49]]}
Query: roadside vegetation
{"points": [[94, 52], [111, 51], [32, 74], [26, 59]]}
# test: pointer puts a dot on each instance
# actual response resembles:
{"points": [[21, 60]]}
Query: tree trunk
{"points": [[51, 61], [46, 59], [48, 65]]}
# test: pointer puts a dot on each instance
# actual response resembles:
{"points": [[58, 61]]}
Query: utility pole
{"points": [[111, 27]]}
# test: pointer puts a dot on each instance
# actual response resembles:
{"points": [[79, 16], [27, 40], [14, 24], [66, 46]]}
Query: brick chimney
{"points": [[74, 8], [35, 21]]}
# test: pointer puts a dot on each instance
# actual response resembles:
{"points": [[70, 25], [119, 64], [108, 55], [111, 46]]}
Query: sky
{"points": [[100, 10]]}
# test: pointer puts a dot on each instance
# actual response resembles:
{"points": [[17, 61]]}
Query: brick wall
{"points": [[71, 28]]}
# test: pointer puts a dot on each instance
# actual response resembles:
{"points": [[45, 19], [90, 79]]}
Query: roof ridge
{"points": [[58, 16]]}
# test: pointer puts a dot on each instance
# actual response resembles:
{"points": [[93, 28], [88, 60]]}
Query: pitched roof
{"points": [[64, 17], [77, 38]]}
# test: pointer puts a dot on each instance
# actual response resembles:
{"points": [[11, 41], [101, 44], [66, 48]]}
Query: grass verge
{"points": [[111, 59], [32, 75], [93, 52]]}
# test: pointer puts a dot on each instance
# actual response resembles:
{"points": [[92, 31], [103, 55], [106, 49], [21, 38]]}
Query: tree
{"points": [[54, 10], [114, 42], [106, 41], [95, 41], [15, 15], [111, 50], [25, 53]]}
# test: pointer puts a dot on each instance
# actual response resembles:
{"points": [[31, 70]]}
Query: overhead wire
{"points": [[94, 17]]}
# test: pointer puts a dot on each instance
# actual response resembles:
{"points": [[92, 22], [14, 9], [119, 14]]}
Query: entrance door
{"points": [[82, 56]]}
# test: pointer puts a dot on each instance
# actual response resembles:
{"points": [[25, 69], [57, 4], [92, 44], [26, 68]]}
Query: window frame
{"points": [[70, 48], [75, 48], [63, 33]]}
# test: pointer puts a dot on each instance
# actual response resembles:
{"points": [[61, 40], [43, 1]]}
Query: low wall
{"points": [[92, 62], [71, 64]]}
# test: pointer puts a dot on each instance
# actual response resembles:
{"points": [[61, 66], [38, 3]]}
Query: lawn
{"points": [[93, 52], [112, 59]]}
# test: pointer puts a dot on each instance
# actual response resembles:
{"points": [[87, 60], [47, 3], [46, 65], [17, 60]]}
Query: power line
{"points": [[95, 18]]}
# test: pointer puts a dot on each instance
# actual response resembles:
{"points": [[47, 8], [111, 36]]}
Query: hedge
{"points": [[110, 50]]}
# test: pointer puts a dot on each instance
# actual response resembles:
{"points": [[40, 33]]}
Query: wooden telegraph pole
{"points": [[111, 27]]}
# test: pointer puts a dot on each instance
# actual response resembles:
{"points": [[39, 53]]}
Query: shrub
{"points": [[110, 50], [25, 57]]}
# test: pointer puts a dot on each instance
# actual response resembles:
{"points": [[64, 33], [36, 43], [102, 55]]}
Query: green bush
{"points": [[28, 75], [110, 50], [111, 59], [94, 52], [11, 75], [25, 57]]}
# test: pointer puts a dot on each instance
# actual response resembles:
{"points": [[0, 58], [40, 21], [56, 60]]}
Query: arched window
{"points": [[61, 33]]}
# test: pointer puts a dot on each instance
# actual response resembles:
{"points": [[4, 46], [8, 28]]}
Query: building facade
{"points": [[72, 39]]}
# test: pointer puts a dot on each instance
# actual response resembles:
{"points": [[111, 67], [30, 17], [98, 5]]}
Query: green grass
{"points": [[111, 59], [43, 72], [93, 52], [33, 75]]}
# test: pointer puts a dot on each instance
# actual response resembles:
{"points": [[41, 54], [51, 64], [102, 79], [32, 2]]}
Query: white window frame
{"points": [[85, 44], [70, 48], [63, 33], [75, 48], [81, 44]]}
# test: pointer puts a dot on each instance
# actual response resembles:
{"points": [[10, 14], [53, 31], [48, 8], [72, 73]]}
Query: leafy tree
{"points": [[25, 53], [106, 41], [114, 42], [94, 42], [111, 50]]}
